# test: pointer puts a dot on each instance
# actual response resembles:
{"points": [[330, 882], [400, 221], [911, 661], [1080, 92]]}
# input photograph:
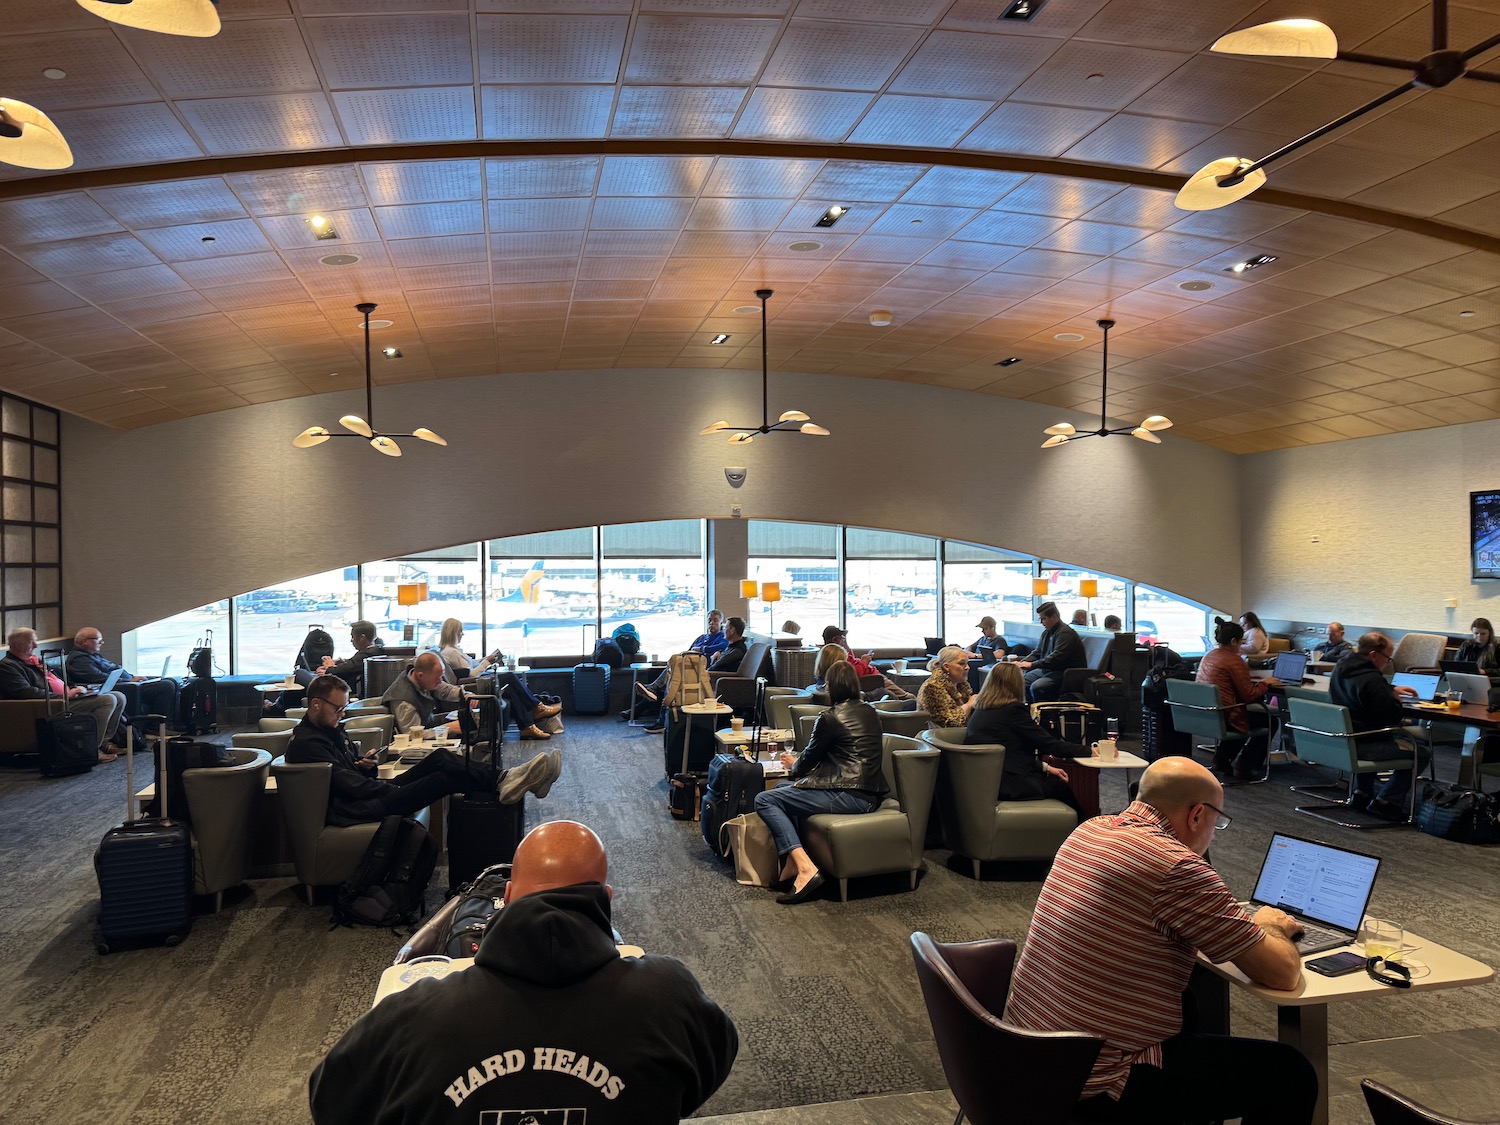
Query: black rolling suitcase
{"points": [[590, 689], [481, 831], [145, 871], [195, 706], [66, 742], [733, 782]]}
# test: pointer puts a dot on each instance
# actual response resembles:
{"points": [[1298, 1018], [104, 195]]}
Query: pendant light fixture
{"points": [[364, 427], [28, 139], [1222, 181], [198, 18], [1064, 432], [787, 423]]}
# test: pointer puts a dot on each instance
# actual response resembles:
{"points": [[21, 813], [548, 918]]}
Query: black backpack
{"points": [[390, 883], [608, 651], [315, 646], [200, 661], [1165, 665], [184, 754], [479, 900]]}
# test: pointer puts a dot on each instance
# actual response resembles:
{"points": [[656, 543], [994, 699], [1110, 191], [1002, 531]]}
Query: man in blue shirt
{"points": [[1335, 648], [713, 642], [710, 644], [87, 667]]}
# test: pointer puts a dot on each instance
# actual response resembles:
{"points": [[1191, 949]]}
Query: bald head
{"points": [[1174, 784], [559, 853], [427, 662]]}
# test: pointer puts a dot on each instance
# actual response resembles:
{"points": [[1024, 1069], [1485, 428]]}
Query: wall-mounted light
{"points": [[831, 216]]}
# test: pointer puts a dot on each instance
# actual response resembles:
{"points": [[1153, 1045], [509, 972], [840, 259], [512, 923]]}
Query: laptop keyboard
{"points": [[1312, 933]]}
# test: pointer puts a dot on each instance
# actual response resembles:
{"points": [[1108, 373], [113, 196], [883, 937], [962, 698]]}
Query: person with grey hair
{"points": [[946, 695], [23, 676]]}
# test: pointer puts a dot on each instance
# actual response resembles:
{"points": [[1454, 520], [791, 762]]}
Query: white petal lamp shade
{"points": [[1062, 429], [313, 435], [1055, 440], [198, 18], [1307, 39], [427, 435], [814, 429], [1157, 422], [1145, 435], [386, 446], [792, 416], [742, 439], [713, 427], [1204, 192], [355, 424], [28, 139]]}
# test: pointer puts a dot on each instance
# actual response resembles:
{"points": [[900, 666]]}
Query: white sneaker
{"points": [[517, 781]]}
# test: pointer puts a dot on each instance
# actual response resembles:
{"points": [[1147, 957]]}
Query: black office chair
{"points": [[1388, 1107], [998, 1072]]}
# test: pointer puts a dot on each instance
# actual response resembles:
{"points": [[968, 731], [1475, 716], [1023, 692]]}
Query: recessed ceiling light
{"points": [[339, 259], [390, 353], [1467, 312], [1251, 263], [831, 216], [881, 317], [721, 338], [322, 227], [803, 247], [1022, 9], [1069, 337], [374, 324], [1196, 286], [1008, 362], [55, 73], [208, 238], [747, 308]]}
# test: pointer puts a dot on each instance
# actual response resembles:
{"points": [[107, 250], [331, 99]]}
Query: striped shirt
{"points": [[1113, 937]]}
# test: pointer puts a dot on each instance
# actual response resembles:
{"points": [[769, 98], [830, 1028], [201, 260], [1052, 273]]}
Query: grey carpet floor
{"points": [[226, 1027]]}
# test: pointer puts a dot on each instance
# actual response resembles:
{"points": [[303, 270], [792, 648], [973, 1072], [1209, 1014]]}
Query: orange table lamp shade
{"points": [[748, 588], [770, 591], [1089, 588], [411, 593], [1039, 587]]}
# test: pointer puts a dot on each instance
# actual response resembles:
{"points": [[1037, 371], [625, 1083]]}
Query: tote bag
{"points": [[756, 863]]}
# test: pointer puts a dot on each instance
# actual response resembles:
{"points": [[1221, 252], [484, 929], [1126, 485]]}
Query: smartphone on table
{"points": [[1337, 964]]}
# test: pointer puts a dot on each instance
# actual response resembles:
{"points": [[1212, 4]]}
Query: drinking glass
{"points": [[1454, 699], [1382, 939]]}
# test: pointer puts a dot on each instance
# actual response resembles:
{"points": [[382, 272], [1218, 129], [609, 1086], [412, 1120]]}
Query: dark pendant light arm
{"points": [[1323, 130], [765, 397]]}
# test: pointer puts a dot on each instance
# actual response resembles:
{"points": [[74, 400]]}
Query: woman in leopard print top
{"points": [[945, 695]]}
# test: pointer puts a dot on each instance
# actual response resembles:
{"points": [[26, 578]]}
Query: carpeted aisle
{"points": [[226, 1027]]}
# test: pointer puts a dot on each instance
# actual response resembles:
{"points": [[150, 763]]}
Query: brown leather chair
{"points": [[1389, 1107], [999, 1073]]}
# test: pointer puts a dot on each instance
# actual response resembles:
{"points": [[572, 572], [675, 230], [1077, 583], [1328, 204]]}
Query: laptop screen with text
{"points": [[1317, 881], [1290, 667]]}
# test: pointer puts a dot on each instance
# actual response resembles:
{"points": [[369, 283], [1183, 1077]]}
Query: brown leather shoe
{"points": [[547, 710], [534, 731]]}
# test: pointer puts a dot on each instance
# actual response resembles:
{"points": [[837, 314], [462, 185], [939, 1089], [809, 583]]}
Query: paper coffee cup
{"points": [[289, 681], [737, 724]]}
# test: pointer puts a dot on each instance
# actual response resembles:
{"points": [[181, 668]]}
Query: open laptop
{"points": [[1422, 683], [1325, 888], [1467, 667], [934, 645], [1291, 668], [1475, 689], [109, 682]]}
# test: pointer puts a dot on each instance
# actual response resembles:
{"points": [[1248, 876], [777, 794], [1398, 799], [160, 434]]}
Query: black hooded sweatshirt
{"points": [[550, 1021]]}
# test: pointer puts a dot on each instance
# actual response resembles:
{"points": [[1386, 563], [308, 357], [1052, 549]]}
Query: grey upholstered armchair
{"points": [[223, 805], [889, 839], [975, 823]]}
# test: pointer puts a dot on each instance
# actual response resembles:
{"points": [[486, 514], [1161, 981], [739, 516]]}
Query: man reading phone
{"points": [[1128, 905]]}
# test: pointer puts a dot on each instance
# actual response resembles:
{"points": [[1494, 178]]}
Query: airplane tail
{"points": [[528, 591]]}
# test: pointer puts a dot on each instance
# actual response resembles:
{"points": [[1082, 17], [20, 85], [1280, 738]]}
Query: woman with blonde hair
{"points": [[1001, 717], [525, 707], [946, 695]]}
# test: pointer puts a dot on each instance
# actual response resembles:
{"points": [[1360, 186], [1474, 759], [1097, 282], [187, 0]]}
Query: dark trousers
{"points": [[1212, 1078], [1060, 790], [153, 697], [1252, 754], [436, 776], [523, 703], [1043, 686], [1398, 788]]}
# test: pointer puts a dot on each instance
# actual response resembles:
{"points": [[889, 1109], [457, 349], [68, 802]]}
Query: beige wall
{"points": [[1392, 517], [174, 516]]}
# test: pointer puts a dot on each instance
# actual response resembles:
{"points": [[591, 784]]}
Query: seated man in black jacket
{"points": [[1358, 683], [1058, 650], [87, 667], [357, 796], [352, 671], [551, 1023]]}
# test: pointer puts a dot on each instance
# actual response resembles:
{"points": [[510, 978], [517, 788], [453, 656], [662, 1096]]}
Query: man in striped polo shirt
{"points": [[1128, 904]]}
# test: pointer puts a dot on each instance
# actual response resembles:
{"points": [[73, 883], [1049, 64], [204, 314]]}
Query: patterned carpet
{"points": [[226, 1027]]}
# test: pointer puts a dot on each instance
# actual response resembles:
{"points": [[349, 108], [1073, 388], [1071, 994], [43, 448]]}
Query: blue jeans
{"points": [[786, 808]]}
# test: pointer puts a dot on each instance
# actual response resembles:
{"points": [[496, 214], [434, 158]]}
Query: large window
{"points": [[270, 624], [1182, 625], [804, 559], [452, 576], [30, 546], [979, 582], [163, 647], [891, 588], [1066, 588], [543, 594], [653, 576]]}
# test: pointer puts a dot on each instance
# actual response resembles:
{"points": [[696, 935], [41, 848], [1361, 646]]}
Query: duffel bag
{"points": [[1452, 812]]}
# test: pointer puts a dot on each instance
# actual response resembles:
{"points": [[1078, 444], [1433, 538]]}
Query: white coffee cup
{"points": [[289, 681], [1106, 751], [737, 724], [901, 666]]}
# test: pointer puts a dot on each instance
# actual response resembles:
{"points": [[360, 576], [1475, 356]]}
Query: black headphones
{"points": [[1391, 973]]}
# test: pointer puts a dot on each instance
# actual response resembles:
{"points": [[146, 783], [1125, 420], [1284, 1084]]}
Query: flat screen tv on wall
{"points": [[1484, 533]]}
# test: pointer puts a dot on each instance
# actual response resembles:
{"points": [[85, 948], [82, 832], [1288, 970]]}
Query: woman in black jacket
{"points": [[1000, 717], [1481, 647], [841, 771]]}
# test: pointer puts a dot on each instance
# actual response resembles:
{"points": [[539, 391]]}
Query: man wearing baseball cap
{"points": [[833, 635], [990, 646]]}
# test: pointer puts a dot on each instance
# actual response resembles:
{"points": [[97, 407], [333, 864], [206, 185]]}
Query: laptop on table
{"points": [[1424, 684], [109, 683], [1291, 668], [1475, 689], [1468, 667], [1325, 888]]}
